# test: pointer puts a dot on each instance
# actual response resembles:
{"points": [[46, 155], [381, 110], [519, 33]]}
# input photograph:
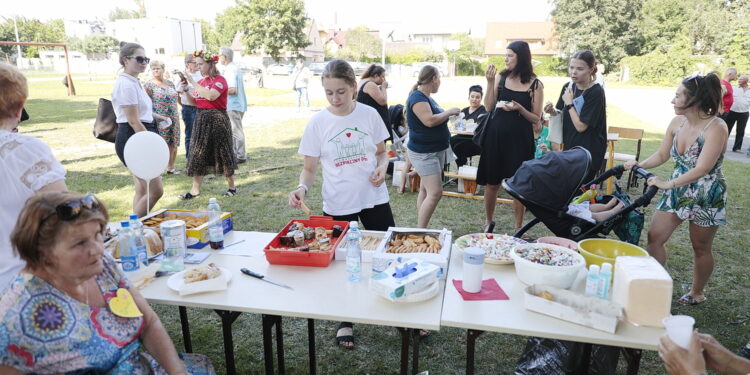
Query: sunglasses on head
{"points": [[71, 210], [696, 77], [140, 59]]}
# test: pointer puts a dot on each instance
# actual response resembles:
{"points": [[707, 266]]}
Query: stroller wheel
{"points": [[575, 230]]}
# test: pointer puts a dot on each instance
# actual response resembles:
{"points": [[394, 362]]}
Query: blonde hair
{"points": [[14, 91], [155, 63]]}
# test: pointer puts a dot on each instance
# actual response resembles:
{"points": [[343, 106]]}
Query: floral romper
{"points": [[701, 202], [45, 331], [165, 104]]}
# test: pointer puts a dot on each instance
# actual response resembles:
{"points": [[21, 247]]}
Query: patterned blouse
{"points": [[44, 330], [165, 104]]}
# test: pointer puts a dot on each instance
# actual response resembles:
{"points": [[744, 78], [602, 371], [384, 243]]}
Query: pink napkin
{"points": [[490, 291]]}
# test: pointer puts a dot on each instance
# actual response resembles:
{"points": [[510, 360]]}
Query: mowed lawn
{"points": [[65, 124]]}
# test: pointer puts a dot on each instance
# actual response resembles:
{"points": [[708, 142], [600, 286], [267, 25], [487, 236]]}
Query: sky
{"points": [[404, 15]]}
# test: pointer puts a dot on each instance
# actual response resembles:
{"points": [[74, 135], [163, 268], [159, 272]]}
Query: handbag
{"points": [[480, 131], [105, 125]]}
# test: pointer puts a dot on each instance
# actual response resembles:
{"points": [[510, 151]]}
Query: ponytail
{"points": [[704, 92], [426, 74]]}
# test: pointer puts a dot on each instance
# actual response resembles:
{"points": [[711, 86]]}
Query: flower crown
{"points": [[208, 56]]}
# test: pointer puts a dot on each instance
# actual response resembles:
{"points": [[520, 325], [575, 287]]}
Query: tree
{"points": [[609, 28], [273, 25], [122, 14], [228, 24], [468, 47], [95, 44], [31, 31], [210, 37], [703, 22], [359, 45]]}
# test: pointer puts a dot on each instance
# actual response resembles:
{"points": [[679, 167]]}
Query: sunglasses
{"points": [[71, 210], [139, 59], [696, 77]]}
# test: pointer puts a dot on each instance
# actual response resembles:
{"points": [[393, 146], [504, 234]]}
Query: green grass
{"points": [[65, 123]]}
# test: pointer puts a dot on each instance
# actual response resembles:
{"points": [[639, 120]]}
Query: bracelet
{"points": [[303, 186]]}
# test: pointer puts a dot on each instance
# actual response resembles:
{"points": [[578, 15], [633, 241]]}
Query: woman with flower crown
{"points": [[211, 143]]}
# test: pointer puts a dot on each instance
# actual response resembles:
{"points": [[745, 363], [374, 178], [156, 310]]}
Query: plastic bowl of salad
{"points": [[546, 264]]}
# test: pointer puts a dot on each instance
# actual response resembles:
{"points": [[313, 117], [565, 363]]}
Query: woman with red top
{"points": [[211, 142]]}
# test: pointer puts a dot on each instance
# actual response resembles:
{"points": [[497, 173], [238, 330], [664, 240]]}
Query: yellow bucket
{"points": [[598, 251]]}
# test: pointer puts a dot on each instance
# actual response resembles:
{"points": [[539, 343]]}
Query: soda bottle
{"points": [[353, 252], [140, 241], [128, 254], [215, 226]]}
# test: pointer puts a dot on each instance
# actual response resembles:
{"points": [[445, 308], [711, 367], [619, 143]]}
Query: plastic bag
{"points": [[557, 357]]}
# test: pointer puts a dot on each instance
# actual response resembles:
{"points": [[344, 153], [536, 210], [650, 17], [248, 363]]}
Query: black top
{"points": [[474, 116], [366, 99], [594, 114]]}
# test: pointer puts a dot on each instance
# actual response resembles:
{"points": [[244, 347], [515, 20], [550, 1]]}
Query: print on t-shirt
{"points": [[350, 146]]}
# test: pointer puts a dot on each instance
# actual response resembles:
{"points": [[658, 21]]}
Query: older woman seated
{"points": [[61, 315]]}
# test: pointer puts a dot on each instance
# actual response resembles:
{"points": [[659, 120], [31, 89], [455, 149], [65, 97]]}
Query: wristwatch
{"points": [[568, 107], [304, 187]]}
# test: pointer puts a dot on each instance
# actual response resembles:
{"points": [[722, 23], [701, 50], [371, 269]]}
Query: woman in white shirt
{"points": [[134, 111], [26, 167], [347, 140]]}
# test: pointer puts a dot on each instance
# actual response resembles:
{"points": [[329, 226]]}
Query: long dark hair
{"points": [[372, 71], [524, 70], [704, 92]]}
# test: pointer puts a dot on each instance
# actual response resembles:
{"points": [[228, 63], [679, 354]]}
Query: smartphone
{"points": [[182, 76]]}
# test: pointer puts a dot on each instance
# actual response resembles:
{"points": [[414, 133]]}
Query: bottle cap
{"points": [[594, 269], [354, 224], [473, 255], [125, 224], [133, 216], [606, 267], [212, 200]]}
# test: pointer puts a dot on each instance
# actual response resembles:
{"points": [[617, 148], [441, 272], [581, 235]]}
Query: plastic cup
{"points": [[679, 329]]}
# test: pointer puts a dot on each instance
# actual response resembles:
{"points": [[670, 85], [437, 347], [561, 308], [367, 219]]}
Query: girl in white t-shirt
{"points": [[347, 140]]}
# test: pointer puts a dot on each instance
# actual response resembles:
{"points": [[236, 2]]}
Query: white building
{"points": [[82, 28], [159, 36]]}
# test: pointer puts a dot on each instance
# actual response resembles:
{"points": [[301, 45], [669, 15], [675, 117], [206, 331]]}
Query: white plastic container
{"points": [[472, 269], [557, 276]]}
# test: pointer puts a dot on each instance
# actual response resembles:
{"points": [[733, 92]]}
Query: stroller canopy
{"points": [[552, 180]]}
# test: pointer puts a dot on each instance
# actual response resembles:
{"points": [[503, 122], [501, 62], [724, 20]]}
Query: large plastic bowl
{"points": [[598, 251], [557, 276], [564, 242]]}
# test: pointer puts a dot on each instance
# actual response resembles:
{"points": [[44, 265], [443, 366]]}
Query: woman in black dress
{"points": [[372, 92], [463, 145], [583, 105], [516, 97]]}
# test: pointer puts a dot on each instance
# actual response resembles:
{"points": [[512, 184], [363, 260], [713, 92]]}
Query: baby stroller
{"points": [[547, 185]]}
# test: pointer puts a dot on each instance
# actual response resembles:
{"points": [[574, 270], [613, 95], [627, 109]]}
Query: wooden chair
{"points": [[627, 133]]}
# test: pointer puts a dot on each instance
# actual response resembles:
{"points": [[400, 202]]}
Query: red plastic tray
{"points": [[304, 258]]}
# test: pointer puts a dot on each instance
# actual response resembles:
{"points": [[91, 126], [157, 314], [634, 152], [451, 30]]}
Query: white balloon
{"points": [[146, 155]]}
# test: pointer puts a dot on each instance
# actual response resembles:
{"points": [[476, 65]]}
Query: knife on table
{"points": [[264, 278]]}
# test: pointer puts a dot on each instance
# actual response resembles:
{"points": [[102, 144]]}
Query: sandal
{"points": [[343, 340], [188, 195], [173, 171], [230, 193], [489, 227], [424, 333], [689, 300]]}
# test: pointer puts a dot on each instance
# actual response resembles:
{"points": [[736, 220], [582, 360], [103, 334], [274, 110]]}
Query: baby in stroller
{"points": [[595, 212]]}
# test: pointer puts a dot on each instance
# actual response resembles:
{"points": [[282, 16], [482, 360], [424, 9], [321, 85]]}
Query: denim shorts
{"points": [[430, 163]]}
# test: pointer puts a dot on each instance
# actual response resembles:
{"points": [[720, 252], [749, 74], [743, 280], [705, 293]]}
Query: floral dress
{"points": [[701, 202], [165, 104], [45, 331]]}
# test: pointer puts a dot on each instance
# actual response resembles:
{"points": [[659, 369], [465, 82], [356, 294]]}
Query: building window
{"points": [[160, 51], [426, 39]]}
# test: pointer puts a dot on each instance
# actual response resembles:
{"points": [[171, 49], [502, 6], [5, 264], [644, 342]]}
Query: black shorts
{"points": [[378, 218], [124, 132]]}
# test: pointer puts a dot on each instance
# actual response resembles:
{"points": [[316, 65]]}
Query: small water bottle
{"points": [[353, 252], [605, 278], [140, 241], [215, 226], [128, 252], [592, 281], [473, 264]]}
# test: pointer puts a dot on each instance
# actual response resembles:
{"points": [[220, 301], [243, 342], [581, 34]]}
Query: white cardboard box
{"points": [[381, 260], [392, 287], [366, 254], [575, 308]]}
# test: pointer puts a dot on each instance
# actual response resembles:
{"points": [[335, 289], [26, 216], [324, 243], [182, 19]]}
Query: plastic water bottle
{"points": [[215, 227], [140, 240], [128, 252], [605, 278], [592, 281], [354, 252]]}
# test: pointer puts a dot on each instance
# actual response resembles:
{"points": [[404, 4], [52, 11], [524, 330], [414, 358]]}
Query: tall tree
{"points": [[609, 28], [273, 25], [468, 47], [210, 37], [228, 24], [31, 31], [359, 45], [94, 45]]}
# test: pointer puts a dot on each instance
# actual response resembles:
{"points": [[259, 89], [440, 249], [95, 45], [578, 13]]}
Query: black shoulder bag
{"points": [[484, 121], [105, 125]]}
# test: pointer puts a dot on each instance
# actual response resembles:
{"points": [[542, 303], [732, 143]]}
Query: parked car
{"points": [[417, 66], [317, 68], [252, 74], [280, 69]]}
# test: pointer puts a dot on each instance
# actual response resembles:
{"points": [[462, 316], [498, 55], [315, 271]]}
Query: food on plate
{"points": [[191, 222], [202, 273], [496, 246], [546, 295], [370, 243], [546, 256], [414, 243]]}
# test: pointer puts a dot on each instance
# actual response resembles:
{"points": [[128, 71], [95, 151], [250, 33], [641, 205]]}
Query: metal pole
{"points": [[71, 88], [382, 60], [15, 25]]}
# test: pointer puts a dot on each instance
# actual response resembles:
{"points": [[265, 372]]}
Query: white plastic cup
{"points": [[679, 329], [473, 263]]}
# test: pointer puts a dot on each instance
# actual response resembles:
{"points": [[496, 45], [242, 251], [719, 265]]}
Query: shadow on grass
{"points": [[59, 110], [87, 158]]}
